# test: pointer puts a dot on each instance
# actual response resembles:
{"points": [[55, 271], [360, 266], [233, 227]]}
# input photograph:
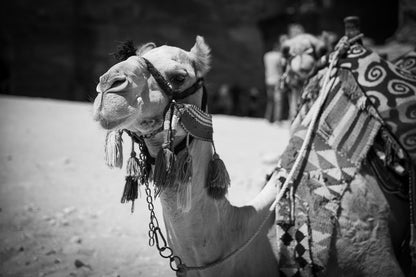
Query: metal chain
{"points": [[156, 236]]}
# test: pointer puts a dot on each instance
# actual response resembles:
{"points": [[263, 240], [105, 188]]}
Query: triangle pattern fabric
{"points": [[306, 216]]}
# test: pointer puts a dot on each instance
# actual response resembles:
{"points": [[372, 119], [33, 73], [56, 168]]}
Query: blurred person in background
{"points": [[223, 101], [277, 102]]}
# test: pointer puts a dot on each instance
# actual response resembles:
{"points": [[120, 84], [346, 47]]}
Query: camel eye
{"points": [[177, 79]]}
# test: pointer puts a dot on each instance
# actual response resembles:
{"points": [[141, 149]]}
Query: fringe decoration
{"points": [[184, 179], [164, 169], [184, 165], [164, 174], [133, 166], [133, 173], [113, 150], [131, 191], [218, 178], [184, 197]]}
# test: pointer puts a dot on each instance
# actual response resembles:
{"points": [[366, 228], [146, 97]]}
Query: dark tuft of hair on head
{"points": [[124, 51]]}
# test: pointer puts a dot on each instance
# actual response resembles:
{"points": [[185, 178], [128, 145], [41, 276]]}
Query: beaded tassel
{"points": [[133, 172], [113, 150], [165, 159]]}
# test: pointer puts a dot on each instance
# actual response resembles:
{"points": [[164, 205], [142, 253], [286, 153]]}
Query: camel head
{"points": [[130, 98], [156, 95], [303, 53]]}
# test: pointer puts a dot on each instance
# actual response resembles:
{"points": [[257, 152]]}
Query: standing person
{"points": [[274, 65]]}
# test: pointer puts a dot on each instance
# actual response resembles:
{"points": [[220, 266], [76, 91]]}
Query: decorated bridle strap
{"points": [[161, 81], [166, 87], [196, 122]]}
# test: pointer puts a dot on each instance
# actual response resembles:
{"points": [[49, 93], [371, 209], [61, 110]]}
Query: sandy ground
{"points": [[60, 213]]}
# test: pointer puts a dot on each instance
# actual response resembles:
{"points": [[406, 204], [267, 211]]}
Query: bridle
{"points": [[175, 95], [156, 237]]}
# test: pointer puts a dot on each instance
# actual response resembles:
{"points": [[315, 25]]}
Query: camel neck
{"points": [[211, 228], [201, 234]]}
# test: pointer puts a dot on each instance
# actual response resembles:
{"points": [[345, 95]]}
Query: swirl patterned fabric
{"points": [[407, 62], [392, 89], [346, 130]]}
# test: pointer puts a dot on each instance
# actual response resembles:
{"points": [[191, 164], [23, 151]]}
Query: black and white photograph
{"points": [[223, 138]]}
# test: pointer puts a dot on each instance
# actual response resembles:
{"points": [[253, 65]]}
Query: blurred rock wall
{"points": [[59, 48]]}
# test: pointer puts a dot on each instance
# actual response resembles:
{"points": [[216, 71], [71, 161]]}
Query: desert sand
{"points": [[60, 210]]}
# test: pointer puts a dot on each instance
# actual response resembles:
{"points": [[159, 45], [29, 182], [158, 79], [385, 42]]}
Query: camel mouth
{"points": [[148, 126], [112, 124]]}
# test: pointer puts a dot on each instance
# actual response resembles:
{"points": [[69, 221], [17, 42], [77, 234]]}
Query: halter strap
{"points": [[167, 89]]}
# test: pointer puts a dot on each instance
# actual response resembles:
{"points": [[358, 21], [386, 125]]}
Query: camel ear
{"points": [[201, 56], [141, 50]]}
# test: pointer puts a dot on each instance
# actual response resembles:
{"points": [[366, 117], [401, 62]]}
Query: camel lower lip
{"points": [[108, 125]]}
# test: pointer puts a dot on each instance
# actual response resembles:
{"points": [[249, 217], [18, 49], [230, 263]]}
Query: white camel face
{"points": [[302, 52], [130, 98]]}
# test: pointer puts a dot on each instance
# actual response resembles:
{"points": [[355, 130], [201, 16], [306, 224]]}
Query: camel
{"points": [[305, 54], [206, 234]]}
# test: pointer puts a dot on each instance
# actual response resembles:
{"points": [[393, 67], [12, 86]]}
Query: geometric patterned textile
{"points": [[391, 88], [349, 122], [307, 214], [195, 121]]}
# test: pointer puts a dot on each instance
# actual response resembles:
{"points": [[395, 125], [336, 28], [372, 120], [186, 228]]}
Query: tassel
{"points": [[133, 166], [131, 191], [218, 178], [165, 159], [113, 151], [184, 165], [164, 165], [133, 173], [184, 178]]}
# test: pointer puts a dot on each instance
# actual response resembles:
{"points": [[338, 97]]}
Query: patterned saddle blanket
{"points": [[370, 100]]}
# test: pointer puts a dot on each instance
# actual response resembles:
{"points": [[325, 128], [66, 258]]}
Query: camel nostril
{"points": [[117, 83], [108, 82]]}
